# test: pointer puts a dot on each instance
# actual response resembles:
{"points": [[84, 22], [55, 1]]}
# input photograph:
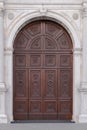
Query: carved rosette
{"points": [[10, 16]]}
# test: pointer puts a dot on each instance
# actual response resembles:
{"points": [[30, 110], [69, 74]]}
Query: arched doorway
{"points": [[43, 72]]}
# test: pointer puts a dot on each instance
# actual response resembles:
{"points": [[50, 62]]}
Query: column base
{"points": [[83, 118], [3, 118]]}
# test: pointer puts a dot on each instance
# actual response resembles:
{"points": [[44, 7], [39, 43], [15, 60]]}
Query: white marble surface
{"points": [[44, 1]]}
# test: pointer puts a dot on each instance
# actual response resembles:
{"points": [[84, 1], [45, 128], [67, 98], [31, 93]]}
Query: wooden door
{"points": [[42, 72]]}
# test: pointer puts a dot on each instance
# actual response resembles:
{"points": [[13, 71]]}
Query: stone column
{"points": [[83, 87], [3, 118]]}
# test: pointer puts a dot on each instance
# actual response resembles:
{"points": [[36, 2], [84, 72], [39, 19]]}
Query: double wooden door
{"points": [[42, 72]]}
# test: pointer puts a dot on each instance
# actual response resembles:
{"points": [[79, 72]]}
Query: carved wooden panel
{"points": [[65, 81], [21, 83], [65, 110], [35, 60], [43, 66], [21, 107], [36, 43], [35, 107], [51, 29], [50, 60], [34, 29], [65, 107], [66, 60], [50, 84], [20, 110], [35, 84], [50, 44], [50, 106], [63, 42], [20, 60], [21, 41]]}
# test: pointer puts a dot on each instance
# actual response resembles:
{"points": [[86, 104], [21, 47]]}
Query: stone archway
{"points": [[43, 72], [20, 22]]}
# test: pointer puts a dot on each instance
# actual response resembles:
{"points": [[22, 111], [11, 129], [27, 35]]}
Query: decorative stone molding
{"points": [[85, 9], [3, 118], [1, 8], [1, 12], [84, 12], [77, 51], [43, 11], [2, 87], [83, 86], [83, 94], [82, 90], [8, 51], [75, 16], [10, 16]]}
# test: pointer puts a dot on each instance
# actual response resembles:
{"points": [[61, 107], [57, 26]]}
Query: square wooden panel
{"points": [[20, 110], [64, 107], [66, 60], [50, 60], [50, 106], [21, 106], [35, 107], [20, 60], [35, 60]]}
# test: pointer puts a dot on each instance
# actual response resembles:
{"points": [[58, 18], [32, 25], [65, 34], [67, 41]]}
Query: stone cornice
{"points": [[82, 90], [18, 6], [1, 8], [85, 1], [83, 87], [1, 5]]}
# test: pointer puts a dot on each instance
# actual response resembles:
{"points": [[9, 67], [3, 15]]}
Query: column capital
{"points": [[83, 86], [2, 87], [1, 8], [85, 8], [1, 4], [77, 51]]}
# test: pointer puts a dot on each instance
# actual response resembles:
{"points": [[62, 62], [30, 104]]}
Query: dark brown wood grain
{"points": [[43, 72]]}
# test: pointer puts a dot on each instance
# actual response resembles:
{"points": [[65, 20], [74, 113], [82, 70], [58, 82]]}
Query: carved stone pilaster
{"points": [[83, 85], [77, 51], [3, 117]]}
